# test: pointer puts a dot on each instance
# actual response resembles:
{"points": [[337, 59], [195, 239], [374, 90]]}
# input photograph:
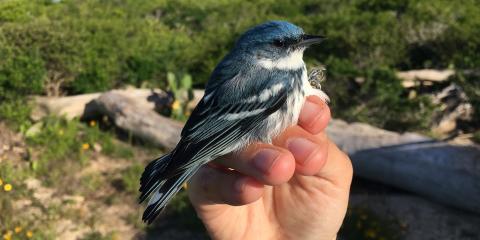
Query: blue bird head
{"points": [[275, 39]]}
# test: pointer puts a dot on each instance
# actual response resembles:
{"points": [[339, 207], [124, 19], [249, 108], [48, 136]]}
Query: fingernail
{"points": [[310, 111], [301, 148], [264, 159]]}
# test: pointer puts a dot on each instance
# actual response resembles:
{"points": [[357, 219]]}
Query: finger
{"points": [[310, 151], [218, 186], [270, 165], [338, 168], [315, 115], [327, 162]]}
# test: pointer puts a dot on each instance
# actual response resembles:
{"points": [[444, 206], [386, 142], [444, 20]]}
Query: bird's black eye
{"points": [[279, 43]]}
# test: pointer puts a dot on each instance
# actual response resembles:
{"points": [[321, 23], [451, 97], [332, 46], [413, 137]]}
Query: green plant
{"points": [[73, 141], [181, 87], [15, 224], [130, 178], [16, 112], [95, 235], [378, 99], [476, 137], [363, 224], [74, 47], [92, 182], [470, 84]]}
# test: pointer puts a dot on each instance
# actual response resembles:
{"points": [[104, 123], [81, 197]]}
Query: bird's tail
{"points": [[153, 182]]}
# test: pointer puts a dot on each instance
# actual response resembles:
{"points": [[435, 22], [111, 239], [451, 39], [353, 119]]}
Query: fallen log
{"points": [[446, 173], [74, 106], [129, 115], [428, 76], [443, 172]]}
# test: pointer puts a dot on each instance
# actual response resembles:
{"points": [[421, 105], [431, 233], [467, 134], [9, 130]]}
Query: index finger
{"points": [[315, 115]]}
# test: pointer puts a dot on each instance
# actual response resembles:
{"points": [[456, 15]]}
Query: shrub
{"points": [[73, 142], [470, 83], [130, 177], [69, 47], [379, 99]]}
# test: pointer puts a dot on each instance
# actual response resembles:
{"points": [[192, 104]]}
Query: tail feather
{"points": [[152, 176], [164, 192]]}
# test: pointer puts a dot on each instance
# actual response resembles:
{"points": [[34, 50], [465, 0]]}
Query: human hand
{"points": [[295, 188]]}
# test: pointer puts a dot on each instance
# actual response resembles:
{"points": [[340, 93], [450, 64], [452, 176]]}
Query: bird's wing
{"points": [[220, 121], [216, 125], [210, 131]]}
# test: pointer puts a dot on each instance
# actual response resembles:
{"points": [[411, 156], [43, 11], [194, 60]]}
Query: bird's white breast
{"points": [[278, 121]]}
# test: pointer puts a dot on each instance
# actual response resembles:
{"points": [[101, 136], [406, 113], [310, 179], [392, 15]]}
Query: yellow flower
{"points": [[93, 123], [85, 146], [1, 182], [176, 105], [7, 187], [371, 233], [115, 236], [29, 234], [7, 235], [18, 229]]}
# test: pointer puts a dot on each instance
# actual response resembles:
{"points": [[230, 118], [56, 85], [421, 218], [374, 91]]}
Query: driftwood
{"points": [[74, 106], [427, 76], [143, 123], [440, 171], [443, 172]]}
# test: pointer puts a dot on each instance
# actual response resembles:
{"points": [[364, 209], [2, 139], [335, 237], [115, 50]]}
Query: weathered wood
{"points": [[142, 122], [427, 75], [446, 173], [74, 106], [69, 107]]}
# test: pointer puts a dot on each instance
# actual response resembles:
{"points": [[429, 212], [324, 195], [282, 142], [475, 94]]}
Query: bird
{"points": [[254, 93]]}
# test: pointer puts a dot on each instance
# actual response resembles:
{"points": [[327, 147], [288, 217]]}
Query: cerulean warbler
{"points": [[253, 94]]}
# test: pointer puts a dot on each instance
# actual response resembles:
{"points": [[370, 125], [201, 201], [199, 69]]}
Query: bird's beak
{"points": [[308, 40]]}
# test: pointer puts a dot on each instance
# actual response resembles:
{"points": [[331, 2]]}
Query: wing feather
{"points": [[216, 134], [227, 114]]}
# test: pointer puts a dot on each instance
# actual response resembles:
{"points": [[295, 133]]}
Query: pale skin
{"points": [[295, 188]]}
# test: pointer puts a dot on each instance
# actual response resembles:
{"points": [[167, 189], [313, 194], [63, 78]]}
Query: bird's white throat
{"points": [[293, 61]]}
